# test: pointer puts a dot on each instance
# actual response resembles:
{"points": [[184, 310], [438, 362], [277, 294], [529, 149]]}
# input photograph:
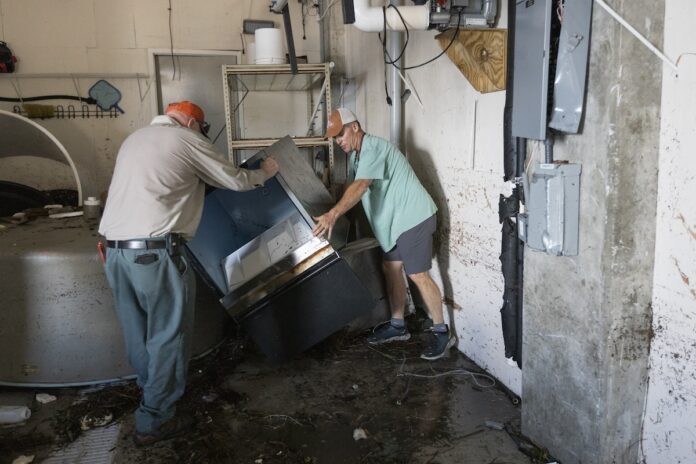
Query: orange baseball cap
{"points": [[337, 119], [188, 108]]}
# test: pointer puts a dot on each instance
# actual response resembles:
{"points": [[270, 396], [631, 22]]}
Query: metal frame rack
{"points": [[269, 78]]}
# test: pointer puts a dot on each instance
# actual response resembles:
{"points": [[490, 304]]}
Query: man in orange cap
{"points": [[196, 116], [154, 205], [402, 216]]}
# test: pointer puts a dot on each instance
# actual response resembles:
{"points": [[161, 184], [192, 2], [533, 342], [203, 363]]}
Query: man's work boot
{"points": [[386, 332], [439, 344], [172, 428]]}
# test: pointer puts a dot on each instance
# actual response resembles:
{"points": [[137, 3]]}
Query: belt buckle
{"points": [[173, 244]]}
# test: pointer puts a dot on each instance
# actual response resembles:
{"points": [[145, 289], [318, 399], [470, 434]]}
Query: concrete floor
{"points": [[305, 411]]}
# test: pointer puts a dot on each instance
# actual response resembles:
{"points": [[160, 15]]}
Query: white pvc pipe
{"points": [[371, 19], [14, 414], [638, 35]]}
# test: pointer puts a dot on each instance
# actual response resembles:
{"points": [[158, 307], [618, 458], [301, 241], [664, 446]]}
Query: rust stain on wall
{"points": [[684, 277], [690, 230]]}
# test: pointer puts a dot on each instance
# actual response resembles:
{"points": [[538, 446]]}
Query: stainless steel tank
{"points": [[27, 138], [58, 326]]}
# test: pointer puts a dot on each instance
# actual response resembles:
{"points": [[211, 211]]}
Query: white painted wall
{"points": [[669, 431], [105, 36], [455, 144]]}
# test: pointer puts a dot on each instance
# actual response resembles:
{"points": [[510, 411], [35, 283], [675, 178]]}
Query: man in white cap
{"points": [[154, 205], [402, 216]]}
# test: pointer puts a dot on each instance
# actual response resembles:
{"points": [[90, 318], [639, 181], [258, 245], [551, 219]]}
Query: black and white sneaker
{"points": [[386, 332], [439, 344]]}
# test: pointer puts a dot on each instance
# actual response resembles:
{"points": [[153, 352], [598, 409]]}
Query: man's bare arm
{"points": [[350, 198]]}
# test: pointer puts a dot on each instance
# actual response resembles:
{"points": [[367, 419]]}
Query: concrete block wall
{"points": [[107, 37]]}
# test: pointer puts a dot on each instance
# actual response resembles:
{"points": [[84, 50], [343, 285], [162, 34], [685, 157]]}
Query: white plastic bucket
{"points": [[269, 46]]}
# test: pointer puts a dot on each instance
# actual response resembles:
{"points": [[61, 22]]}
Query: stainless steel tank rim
{"points": [[107, 382]]}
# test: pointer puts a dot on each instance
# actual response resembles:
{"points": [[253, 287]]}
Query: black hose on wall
{"points": [[88, 100], [512, 248]]}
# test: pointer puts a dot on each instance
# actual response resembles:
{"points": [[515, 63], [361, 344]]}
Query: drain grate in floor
{"points": [[96, 446]]}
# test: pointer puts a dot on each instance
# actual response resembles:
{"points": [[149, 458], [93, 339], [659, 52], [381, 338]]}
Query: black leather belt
{"points": [[172, 242], [137, 244]]}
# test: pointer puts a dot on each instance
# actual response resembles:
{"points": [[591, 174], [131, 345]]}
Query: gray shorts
{"points": [[415, 247]]}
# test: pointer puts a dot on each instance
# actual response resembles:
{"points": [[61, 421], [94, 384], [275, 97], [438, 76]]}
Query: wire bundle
{"points": [[382, 37]]}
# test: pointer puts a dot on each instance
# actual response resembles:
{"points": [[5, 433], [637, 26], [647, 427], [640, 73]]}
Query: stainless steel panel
{"points": [[196, 78], [266, 249], [58, 326], [273, 278], [24, 137], [531, 77]]}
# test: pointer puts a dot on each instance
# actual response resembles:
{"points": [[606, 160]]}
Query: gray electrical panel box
{"points": [[531, 76], [571, 67], [551, 221]]}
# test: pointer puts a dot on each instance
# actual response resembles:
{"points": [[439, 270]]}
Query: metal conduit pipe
{"points": [[548, 147], [396, 42]]}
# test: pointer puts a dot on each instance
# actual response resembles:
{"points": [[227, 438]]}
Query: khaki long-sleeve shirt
{"points": [[159, 181]]}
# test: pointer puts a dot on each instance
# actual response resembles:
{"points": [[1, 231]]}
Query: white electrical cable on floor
{"points": [[474, 375], [637, 34]]}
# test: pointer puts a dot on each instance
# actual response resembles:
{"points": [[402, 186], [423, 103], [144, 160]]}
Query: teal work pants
{"points": [[154, 296]]}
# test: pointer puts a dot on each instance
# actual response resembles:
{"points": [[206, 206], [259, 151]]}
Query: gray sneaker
{"points": [[174, 427], [426, 325], [385, 333], [439, 344]]}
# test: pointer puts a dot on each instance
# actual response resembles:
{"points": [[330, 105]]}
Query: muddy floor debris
{"points": [[309, 410]]}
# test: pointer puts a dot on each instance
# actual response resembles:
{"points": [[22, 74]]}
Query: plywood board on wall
{"points": [[480, 54]]}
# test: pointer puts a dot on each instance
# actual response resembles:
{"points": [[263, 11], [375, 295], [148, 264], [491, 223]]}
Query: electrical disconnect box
{"points": [[531, 76], [551, 221]]}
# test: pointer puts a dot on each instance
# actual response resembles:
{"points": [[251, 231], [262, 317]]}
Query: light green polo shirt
{"points": [[396, 201]]}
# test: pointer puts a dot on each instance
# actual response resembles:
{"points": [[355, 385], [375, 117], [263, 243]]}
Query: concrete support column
{"points": [[588, 318]]}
